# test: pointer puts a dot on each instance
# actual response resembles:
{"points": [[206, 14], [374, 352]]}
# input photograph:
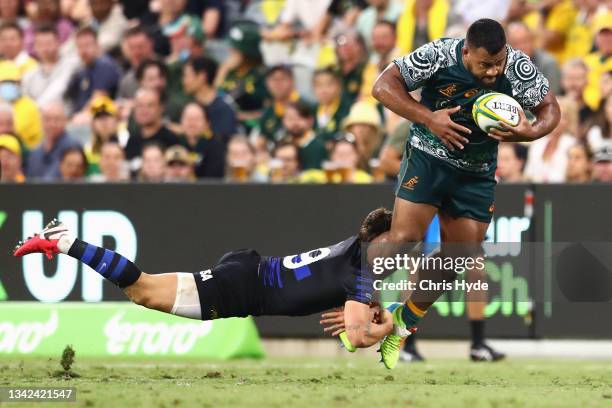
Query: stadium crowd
{"points": [[270, 90]]}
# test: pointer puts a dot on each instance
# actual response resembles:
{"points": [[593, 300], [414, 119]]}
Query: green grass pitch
{"points": [[354, 381]]}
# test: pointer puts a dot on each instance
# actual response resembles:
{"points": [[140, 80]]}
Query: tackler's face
{"points": [[484, 66]]}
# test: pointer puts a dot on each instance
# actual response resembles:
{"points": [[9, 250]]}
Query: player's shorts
{"points": [[458, 193], [231, 287]]}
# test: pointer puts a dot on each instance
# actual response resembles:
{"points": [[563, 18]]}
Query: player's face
{"points": [[484, 66]]}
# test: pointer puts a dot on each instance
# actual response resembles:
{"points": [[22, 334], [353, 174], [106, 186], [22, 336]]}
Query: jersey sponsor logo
{"points": [[448, 91], [299, 263], [411, 184], [206, 275], [471, 92]]}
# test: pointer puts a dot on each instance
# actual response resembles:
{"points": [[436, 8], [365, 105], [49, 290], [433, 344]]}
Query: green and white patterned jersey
{"points": [[437, 68]]}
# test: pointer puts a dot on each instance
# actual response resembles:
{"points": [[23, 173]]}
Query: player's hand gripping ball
{"points": [[492, 109]]}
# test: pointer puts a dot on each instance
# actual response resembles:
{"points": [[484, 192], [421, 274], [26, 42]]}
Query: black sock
{"points": [[477, 328], [111, 265]]}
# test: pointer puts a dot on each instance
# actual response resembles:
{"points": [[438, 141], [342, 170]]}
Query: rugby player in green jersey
{"points": [[449, 164]]}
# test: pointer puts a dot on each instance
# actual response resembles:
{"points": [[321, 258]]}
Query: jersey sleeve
{"points": [[529, 85], [421, 64], [363, 289]]}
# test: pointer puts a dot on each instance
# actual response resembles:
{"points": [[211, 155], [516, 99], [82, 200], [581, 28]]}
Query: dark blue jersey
{"points": [[314, 281]]}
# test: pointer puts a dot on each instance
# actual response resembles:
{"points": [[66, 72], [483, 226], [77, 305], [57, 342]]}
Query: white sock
{"points": [[64, 243]]}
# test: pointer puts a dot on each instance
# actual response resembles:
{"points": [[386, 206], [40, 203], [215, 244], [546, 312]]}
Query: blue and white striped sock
{"points": [[111, 265]]}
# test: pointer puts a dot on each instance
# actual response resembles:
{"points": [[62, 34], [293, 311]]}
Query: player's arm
{"points": [[391, 89], [364, 325], [547, 115]]}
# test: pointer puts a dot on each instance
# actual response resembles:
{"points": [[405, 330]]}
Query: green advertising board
{"points": [[121, 329]]}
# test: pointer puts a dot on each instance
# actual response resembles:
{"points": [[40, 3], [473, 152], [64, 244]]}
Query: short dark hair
{"points": [[137, 30], [46, 29], [331, 71], [151, 63], [374, 224], [204, 65], [287, 142], [11, 26], [85, 31], [488, 34], [387, 23], [302, 108]]}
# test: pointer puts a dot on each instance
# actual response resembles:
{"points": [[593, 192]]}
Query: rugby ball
{"points": [[494, 108]]}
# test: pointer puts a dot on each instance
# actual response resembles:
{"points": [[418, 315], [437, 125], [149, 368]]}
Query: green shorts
{"points": [[428, 180]]}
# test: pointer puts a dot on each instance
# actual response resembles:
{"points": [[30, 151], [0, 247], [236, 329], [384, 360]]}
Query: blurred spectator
{"points": [[48, 12], [421, 21], [153, 163], [241, 76], [521, 38], [599, 61], [9, 12], [73, 165], [605, 85], [579, 166], [579, 40], [602, 163], [551, 19], [198, 77], [602, 129], [468, 11], [186, 39], [26, 116], [10, 159], [104, 128], [331, 107], [345, 156], [298, 121], [573, 82], [109, 21], [240, 159], [155, 22], [383, 52], [297, 13], [547, 158], [44, 161], [352, 58], [511, 159], [6, 118], [113, 167], [136, 46], [378, 10], [207, 151], [48, 82], [11, 47], [134, 9], [281, 86], [179, 167], [211, 13], [363, 122], [148, 115], [99, 74], [152, 74], [393, 150], [286, 159]]}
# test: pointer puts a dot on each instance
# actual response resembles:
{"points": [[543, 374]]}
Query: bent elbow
{"points": [[377, 90]]}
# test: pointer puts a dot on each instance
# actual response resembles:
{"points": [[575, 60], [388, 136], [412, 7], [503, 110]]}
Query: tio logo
{"points": [[26, 336], [95, 225]]}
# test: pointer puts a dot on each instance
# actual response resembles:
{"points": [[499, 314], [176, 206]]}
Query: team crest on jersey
{"points": [[410, 184], [449, 90], [471, 92]]}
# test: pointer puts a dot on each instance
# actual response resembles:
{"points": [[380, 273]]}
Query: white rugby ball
{"points": [[492, 109]]}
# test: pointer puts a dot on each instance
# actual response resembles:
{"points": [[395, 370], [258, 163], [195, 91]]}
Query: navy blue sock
{"points": [[109, 264]]}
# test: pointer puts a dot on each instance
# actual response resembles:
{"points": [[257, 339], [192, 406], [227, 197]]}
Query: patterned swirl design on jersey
{"points": [[420, 65], [529, 85], [525, 70], [422, 139]]}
